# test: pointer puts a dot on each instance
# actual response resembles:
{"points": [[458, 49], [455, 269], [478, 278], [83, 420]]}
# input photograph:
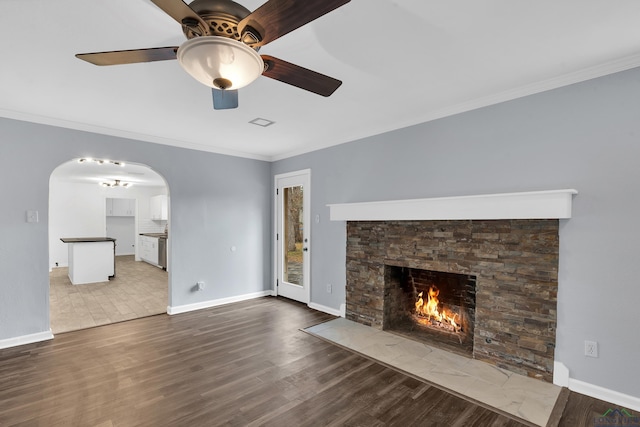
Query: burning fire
{"points": [[429, 312]]}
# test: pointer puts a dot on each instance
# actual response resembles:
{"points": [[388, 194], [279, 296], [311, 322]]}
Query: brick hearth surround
{"points": [[516, 265]]}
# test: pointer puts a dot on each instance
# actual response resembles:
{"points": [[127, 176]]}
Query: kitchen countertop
{"points": [[158, 235], [87, 239]]}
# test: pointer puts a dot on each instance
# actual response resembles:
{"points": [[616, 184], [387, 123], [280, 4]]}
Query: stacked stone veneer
{"points": [[515, 263]]}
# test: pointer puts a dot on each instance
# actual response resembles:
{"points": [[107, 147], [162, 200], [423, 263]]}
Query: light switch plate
{"points": [[32, 216]]}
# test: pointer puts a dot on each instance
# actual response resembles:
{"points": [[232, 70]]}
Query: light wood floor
{"points": [[241, 364], [138, 290]]}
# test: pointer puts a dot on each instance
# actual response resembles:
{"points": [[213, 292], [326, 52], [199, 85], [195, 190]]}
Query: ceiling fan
{"points": [[223, 39]]}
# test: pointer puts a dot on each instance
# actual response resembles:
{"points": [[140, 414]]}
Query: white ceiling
{"points": [[402, 62]]}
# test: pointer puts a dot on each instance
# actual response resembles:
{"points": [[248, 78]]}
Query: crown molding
{"points": [[566, 79]]}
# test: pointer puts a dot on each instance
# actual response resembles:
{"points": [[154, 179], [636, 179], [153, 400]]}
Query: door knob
{"points": [[305, 249]]}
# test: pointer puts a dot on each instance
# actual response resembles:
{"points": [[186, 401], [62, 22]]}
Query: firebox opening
{"points": [[434, 307]]}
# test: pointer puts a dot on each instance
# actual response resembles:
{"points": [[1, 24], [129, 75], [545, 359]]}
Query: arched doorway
{"points": [[91, 198]]}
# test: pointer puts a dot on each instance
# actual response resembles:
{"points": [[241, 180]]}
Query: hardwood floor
{"points": [[241, 364], [583, 410]]}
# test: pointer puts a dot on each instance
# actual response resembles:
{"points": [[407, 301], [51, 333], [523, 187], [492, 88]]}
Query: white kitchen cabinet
{"points": [[159, 207], [149, 249], [121, 207]]}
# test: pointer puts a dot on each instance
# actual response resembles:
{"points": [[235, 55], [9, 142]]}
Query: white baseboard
{"points": [[560, 374], [561, 378], [26, 339], [624, 400], [214, 303], [325, 309]]}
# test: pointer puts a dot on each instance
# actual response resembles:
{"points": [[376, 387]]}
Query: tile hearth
{"points": [[526, 398]]}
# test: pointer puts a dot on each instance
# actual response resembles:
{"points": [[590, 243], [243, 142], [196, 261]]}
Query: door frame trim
{"points": [[307, 214]]}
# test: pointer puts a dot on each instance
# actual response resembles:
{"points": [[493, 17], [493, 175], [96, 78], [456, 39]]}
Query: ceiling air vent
{"points": [[261, 122]]}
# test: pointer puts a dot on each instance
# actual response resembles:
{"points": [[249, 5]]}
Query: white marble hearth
{"points": [[526, 398]]}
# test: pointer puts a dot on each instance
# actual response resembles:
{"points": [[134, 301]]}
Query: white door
{"points": [[293, 235]]}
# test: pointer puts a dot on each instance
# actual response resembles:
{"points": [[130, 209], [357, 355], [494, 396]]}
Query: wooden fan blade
{"points": [[118, 57], [276, 18], [181, 12], [303, 78], [224, 99]]}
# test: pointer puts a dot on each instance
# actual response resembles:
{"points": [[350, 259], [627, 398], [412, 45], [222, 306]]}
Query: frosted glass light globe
{"points": [[219, 62]]}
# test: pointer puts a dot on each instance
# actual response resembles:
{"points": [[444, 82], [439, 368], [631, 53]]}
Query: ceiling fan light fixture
{"points": [[220, 62]]}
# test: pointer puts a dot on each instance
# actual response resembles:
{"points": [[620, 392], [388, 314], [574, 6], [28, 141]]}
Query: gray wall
{"points": [[215, 202], [585, 136]]}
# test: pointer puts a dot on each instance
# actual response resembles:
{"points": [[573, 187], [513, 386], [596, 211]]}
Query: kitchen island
{"points": [[91, 259]]}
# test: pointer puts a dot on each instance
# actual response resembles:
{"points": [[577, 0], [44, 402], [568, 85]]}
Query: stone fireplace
{"points": [[489, 262], [515, 265]]}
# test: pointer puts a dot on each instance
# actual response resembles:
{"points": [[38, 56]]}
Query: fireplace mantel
{"points": [[553, 204]]}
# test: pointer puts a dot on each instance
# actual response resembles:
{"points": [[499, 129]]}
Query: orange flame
{"points": [[430, 309]]}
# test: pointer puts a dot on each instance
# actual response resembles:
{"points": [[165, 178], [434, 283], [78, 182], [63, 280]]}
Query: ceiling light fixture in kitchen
{"points": [[99, 161], [116, 183]]}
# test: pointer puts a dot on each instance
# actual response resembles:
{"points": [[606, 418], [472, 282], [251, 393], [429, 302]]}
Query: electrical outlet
{"points": [[328, 288], [591, 348]]}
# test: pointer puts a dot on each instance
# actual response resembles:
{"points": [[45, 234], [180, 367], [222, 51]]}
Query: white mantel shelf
{"points": [[553, 204]]}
